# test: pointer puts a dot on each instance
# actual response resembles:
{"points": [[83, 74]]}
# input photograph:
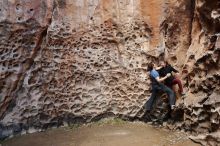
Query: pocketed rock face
{"points": [[23, 25], [88, 62], [66, 61], [176, 29], [202, 75]]}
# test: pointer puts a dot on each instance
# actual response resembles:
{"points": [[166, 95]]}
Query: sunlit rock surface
{"points": [[65, 61]]}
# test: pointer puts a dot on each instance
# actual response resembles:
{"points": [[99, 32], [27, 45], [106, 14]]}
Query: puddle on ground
{"points": [[107, 134]]}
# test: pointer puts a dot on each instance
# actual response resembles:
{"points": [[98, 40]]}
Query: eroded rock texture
{"points": [[203, 65], [89, 61], [66, 61], [202, 75]]}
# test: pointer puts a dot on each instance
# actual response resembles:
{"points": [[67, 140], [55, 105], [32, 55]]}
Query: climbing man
{"points": [[157, 85], [166, 68]]}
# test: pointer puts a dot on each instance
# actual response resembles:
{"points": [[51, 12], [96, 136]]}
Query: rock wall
{"points": [[69, 61], [202, 65]]}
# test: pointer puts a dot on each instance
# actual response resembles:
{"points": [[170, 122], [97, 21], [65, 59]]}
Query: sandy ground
{"points": [[105, 134]]}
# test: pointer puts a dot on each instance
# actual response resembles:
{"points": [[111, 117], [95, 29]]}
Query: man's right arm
{"points": [[163, 78]]}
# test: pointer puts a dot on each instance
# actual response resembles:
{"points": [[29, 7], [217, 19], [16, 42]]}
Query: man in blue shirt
{"points": [[157, 85]]}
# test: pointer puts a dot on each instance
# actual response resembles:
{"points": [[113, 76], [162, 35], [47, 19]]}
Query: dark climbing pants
{"points": [[155, 90]]}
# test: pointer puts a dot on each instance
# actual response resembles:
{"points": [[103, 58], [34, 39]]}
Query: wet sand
{"points": [[105, 134]]}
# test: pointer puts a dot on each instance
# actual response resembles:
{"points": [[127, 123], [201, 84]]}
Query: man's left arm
{"points": [[174, 70]]}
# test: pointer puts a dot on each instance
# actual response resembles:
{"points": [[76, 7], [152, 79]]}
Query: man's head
{"points": [[150, 66], [164, 63]]}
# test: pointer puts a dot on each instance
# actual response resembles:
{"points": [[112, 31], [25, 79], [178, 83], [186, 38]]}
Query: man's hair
{"points": [[166, 62], [150, 66]]}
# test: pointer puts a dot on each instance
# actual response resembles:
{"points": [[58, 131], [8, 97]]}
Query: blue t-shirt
{"points": [[154, 74]]}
